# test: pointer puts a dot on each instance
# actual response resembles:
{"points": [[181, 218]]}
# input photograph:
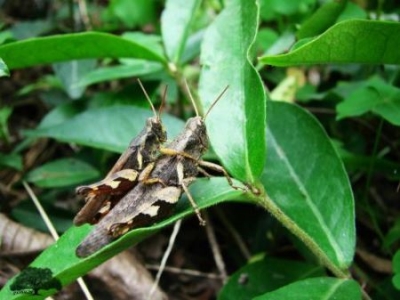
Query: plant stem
{"points": [[270, 206]]}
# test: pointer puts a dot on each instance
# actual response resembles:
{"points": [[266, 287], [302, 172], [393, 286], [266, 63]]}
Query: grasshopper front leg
{"points": [[184, 182], [202, 163], [218, 168]]}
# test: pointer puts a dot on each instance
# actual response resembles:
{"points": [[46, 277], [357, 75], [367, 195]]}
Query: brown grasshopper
{"points": [[141, 153], [153, 198]]}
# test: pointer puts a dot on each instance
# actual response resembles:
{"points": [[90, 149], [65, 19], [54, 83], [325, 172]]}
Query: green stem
{"points": [[270, 206]]}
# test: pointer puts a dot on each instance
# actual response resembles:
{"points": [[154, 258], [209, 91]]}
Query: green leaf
{"points": [[29, 29], [110, 128], [392, 236], [376, 96], [320, 21], [236, 125], [71, 72], [62, 113], [134, 13], [353, 41], [192, 47], [396, 262], [273, 9], [176, 21], [27, 214], [396, 281], [353, 11], [355, 162], [11, 160], [68, 267], [266, 275], [396, 270], [308, 189], [317, 289], [4, 71], [148, 41], [5, 35], [5, 113], [266, 37], [62, 172], [137, 67], [65, 47]]}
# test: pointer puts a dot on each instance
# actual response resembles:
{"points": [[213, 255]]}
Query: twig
{"points": [[215, 248], [376, 263], [164, 259], [42, 212], [53, 232], [365, 295], [185, 271], [84, 14], [235, 235]]}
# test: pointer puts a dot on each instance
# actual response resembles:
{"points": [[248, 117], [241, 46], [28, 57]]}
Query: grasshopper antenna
{"points": [[163, 101], [191, 98], [215, 102], [148, 99]]}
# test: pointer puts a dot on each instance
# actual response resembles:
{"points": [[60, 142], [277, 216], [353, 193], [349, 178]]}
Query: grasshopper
{"points": [[138, 157], [153, 198]]}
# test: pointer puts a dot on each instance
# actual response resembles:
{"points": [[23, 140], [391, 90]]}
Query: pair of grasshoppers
{"points": [[146, 181]]}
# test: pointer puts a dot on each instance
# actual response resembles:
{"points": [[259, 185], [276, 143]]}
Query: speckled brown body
{"points": [[146, 203], [142, 150]]}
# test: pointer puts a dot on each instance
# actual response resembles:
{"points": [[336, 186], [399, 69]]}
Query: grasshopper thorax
{"points": [[197, 140]]}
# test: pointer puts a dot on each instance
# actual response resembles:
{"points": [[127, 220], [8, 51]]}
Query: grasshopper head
{"points": [[157, 128]]}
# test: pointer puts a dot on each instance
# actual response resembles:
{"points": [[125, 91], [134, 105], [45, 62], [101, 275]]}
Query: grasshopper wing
{"points": [[142, 206]]}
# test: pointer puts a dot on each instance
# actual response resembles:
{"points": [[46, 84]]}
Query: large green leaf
{"points": [[176, 21], [307, 185], [353, 41], [65, 47], [68, 267], [317, 289], [62, 172], [110, 128], [266, 275], [236, 126]]}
